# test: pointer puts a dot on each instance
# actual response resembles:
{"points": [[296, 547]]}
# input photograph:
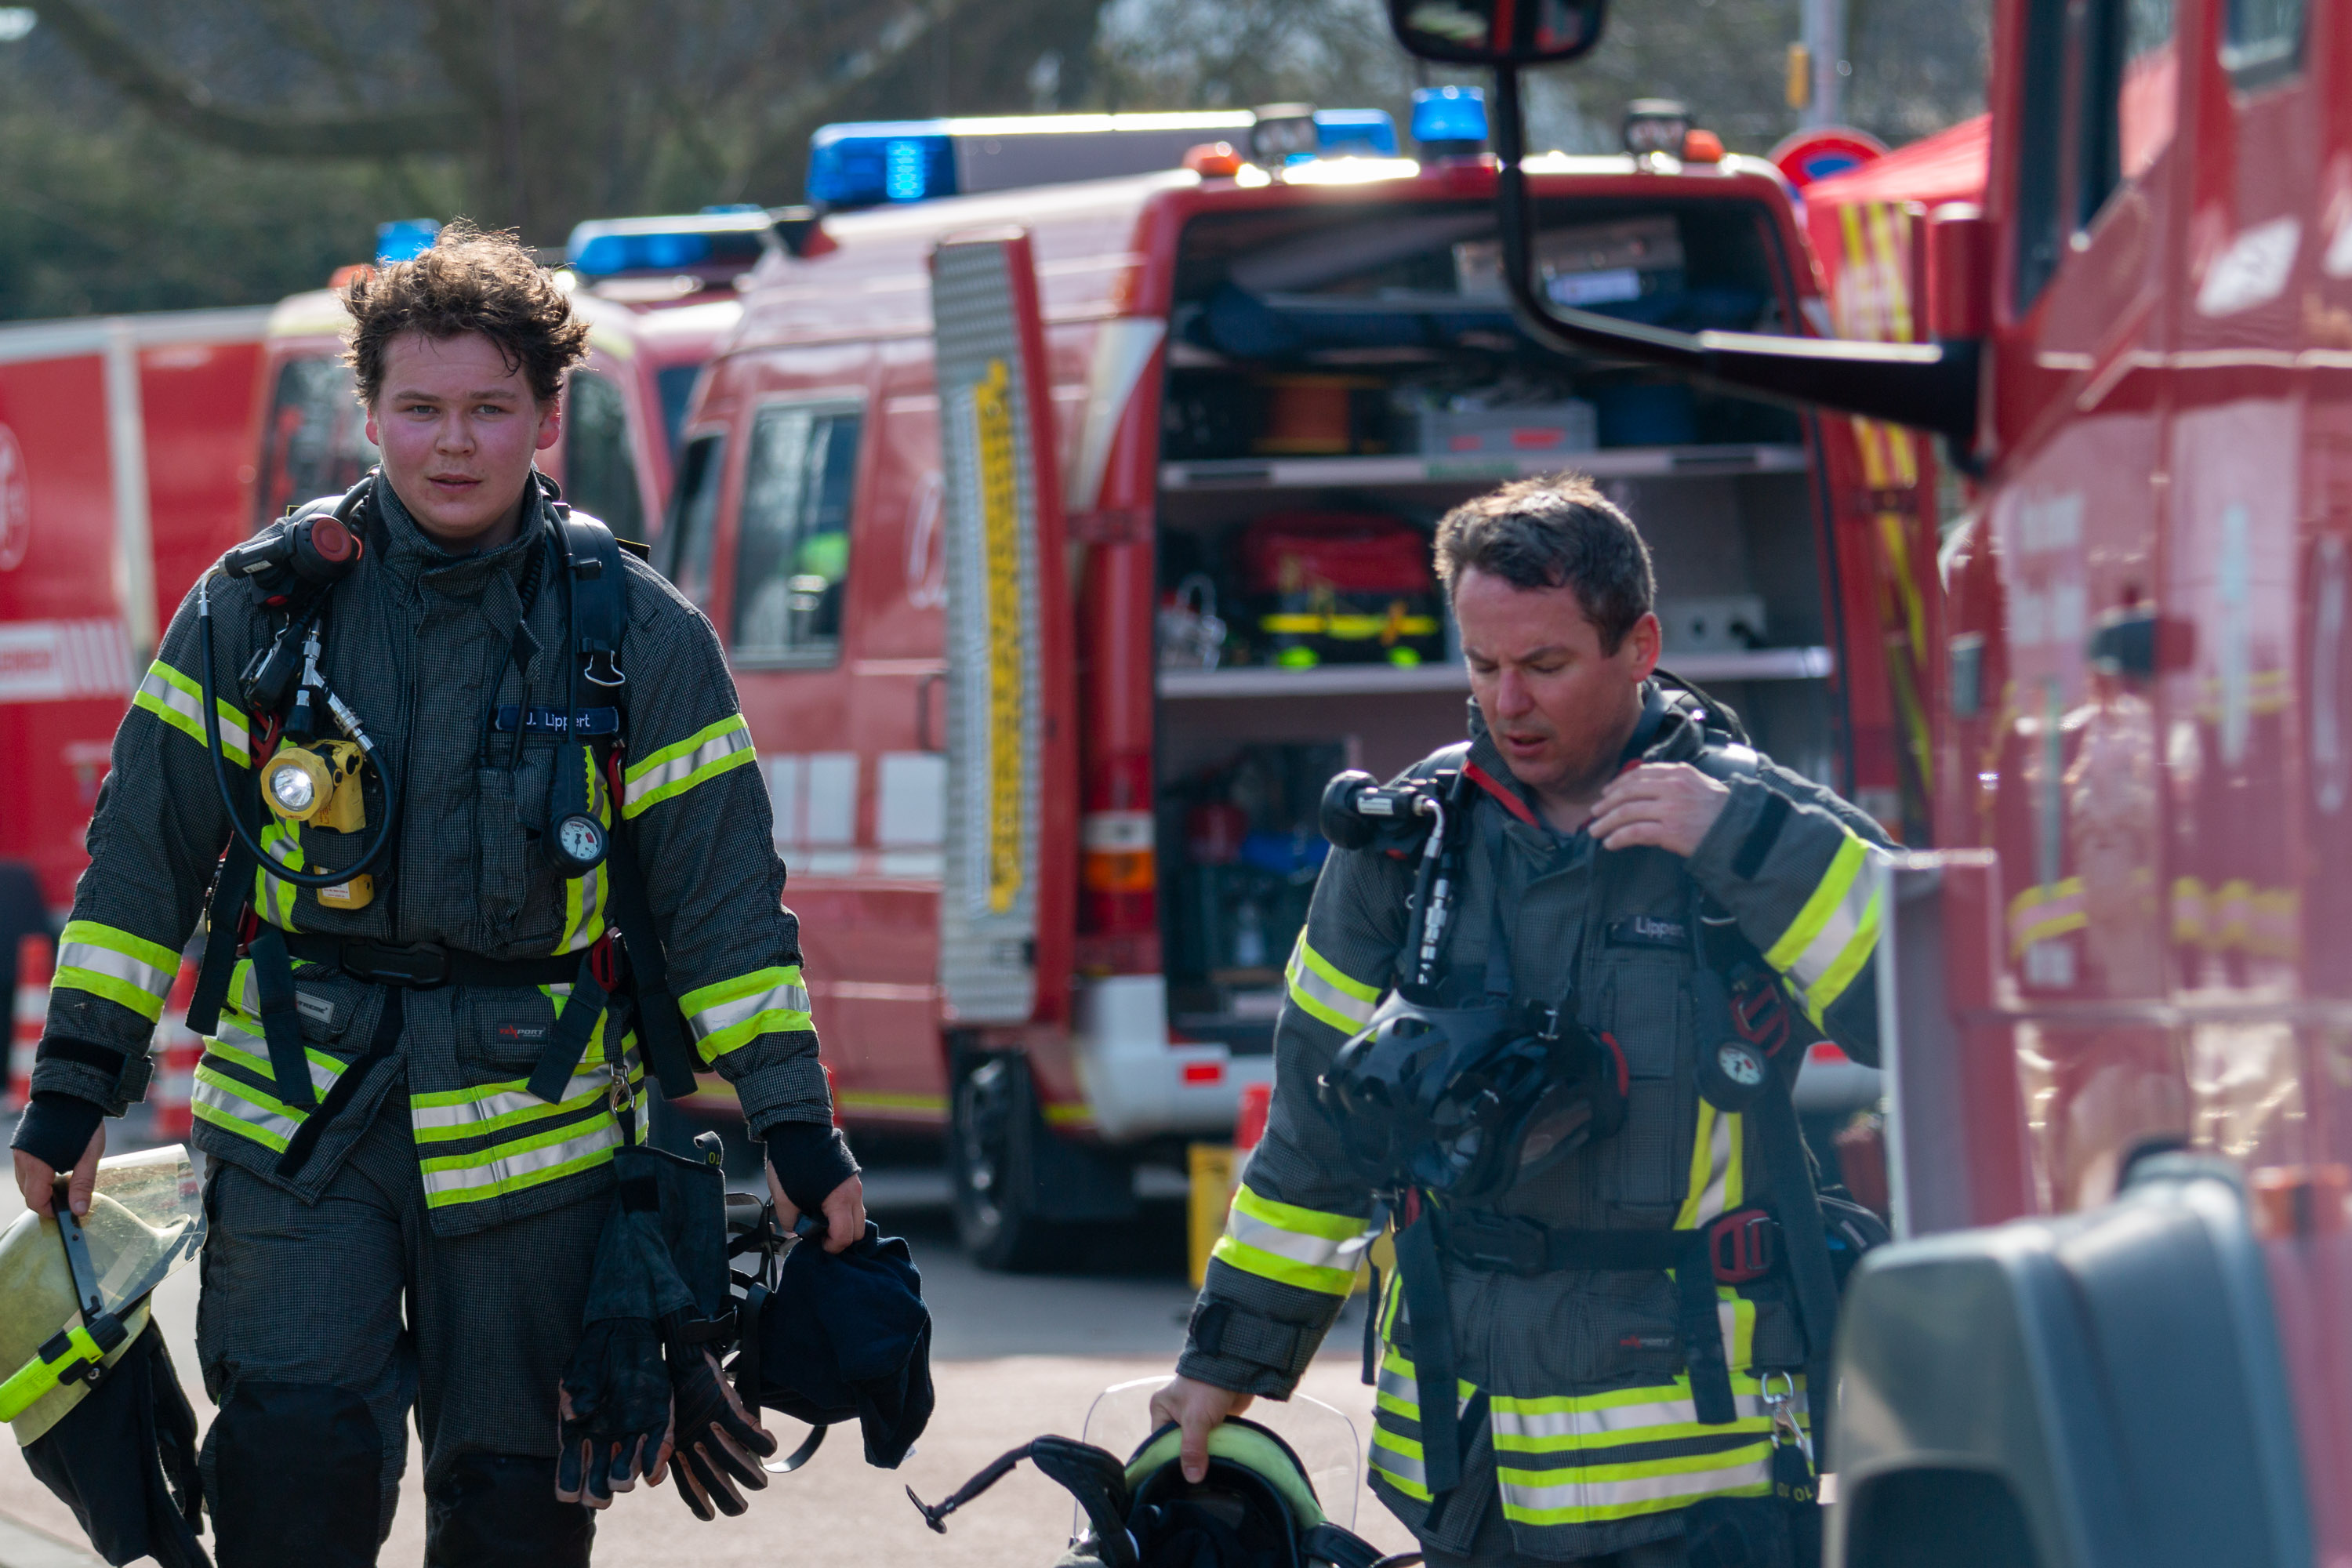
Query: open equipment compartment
{"points": [[1341, 374]]}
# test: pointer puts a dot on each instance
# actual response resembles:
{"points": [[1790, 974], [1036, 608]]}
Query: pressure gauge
{"points": [[1732, 1075], [580, 843]]}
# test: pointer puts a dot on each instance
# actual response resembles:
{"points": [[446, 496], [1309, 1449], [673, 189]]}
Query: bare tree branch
{"points": [[186, 104]]}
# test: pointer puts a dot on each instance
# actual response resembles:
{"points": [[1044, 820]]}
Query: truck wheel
{"points": [[991, 1159]]}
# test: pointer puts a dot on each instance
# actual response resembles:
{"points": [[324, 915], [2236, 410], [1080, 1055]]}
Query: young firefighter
{"points": [[410, 1118], [1611, 1381]]}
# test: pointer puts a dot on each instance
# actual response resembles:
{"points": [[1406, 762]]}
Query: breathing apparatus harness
{"points": [[296, 566], [1438, 1105]]}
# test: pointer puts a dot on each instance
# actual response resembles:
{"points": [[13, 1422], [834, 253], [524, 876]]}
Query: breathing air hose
{"points": [[343, 716]]}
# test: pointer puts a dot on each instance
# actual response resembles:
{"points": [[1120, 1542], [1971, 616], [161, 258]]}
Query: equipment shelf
{"points": [[1477, 468], [1381, 680]]}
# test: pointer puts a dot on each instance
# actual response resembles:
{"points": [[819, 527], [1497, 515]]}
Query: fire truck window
{"points": [[599, 477], [693, 519], [792, 563], [2131, 79], [675, 384], [316, 441], [2263, 40]]}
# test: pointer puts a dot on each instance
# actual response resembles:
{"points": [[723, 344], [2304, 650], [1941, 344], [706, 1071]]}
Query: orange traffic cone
{"points": [[36, 962], [176, 1050]]}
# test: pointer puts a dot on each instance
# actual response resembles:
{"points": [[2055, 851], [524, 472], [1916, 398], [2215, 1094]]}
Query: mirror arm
{"points": [[1929, 387]]}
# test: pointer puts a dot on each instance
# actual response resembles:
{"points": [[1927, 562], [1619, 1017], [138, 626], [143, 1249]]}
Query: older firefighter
{"points": [[453, 743], [1571, 1099]]}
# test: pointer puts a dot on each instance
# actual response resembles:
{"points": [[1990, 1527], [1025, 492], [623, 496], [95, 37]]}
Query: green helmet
{"points": [[73, 1293], [1254, 1509]]}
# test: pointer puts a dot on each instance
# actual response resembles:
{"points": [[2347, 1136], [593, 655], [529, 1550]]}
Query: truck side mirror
{"points": [[1959, 274], [1497, 32]]}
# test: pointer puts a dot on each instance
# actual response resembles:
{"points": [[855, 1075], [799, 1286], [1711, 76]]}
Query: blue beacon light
{"points": [[1449, 119]]}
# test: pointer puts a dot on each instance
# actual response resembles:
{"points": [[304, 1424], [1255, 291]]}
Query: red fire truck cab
{"points": [[1048, 666]]}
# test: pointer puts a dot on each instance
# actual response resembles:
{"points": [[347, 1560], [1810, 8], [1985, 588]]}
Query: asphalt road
{"points": [[1014, 1357]]}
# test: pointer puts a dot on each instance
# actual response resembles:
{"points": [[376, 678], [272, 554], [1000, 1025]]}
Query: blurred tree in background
{"points": [[166, 154]]}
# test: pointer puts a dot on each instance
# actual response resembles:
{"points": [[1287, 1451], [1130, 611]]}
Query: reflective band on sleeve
{"points": [[674, 769], [1320, 989], [108, 962], [735, 1012], [1292, 1246], [1836, 932], [178, 702]]}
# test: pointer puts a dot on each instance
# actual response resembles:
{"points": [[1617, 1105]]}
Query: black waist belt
{"points": [[1509, 1243], [422, 965]]}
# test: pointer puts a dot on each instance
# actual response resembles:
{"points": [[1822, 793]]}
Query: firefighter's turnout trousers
{"points": [[320, 1325], [417, 1164], [1580, 1426]]}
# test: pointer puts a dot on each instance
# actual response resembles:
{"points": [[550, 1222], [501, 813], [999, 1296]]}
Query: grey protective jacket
{"points": [[1591, 1431], [427, 648]]}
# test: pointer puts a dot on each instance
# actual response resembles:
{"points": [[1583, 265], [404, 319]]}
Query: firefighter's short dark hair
{"points": [[1554, 532], [469, 281]]}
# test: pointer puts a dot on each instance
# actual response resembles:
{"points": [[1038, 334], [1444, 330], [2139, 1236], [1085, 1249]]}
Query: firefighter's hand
{"points": [[1666, 805], [1198, 1408], [844, 1211], [36, 1179]]}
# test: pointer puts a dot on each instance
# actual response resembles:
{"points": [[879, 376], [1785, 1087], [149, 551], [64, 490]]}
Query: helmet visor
{"points": [[146, 1218]]}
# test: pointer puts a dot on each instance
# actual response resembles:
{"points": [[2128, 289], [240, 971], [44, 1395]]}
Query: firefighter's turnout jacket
{"points": [[1591, 1432], [457, 667]]}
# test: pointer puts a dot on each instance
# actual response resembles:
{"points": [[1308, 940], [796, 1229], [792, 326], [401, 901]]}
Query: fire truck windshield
{"points": [[316, 441]]}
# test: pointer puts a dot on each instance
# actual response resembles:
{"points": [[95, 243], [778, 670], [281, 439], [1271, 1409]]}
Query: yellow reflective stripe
{"points": [[1333, 1228], [37, 1377], [1823, 993], [324, 1069], [1327, 993], [240, 1108], [273, 899], [674, 769], [451, 1179], [499, 1106], [1716, 1174], [1282, 1270], [1616, 1399], [127, 970], [1600, 1493], [733, 1013], [178, 701], [1835, 932], [1397, 1460]]}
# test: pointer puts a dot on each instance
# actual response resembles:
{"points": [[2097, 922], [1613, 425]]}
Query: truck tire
{"points": [[992, 1145]]}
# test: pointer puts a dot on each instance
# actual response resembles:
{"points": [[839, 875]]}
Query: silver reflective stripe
{"points": [[226, 1095], [1404, 1467], [467, 1116], [232, 1045], [1315, 1251], [116, 965], [678, 769], [1615, 1419], [1312, 987], [1720, 1153], [1846, 920], [1751, 1467], [186, 706], [495, 1170], [721, 1015]]}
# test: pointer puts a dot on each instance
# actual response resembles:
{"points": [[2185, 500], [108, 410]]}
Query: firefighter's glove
{"points": [[717, 1443], [613, 1406]]}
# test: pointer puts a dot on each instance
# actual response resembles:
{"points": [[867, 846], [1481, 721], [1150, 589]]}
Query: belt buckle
{"points": [[420, 965], [1498, 1243], [1743, 1247]]}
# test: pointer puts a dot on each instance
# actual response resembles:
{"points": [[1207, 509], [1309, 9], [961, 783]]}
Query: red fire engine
{"points": [[2114, 1328], [1068, 533], [122, 442]]}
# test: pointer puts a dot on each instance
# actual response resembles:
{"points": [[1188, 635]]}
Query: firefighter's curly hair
{"points": [[1556, 533], [469, 281]]}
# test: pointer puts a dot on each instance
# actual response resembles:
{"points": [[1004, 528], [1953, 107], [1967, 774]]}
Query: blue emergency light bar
{"points": [[404, 238], [721, 242], [865, 163], [1452, 119]]}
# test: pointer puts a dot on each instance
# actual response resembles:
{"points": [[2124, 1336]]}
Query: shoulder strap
{"points": [[599, 587]]}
